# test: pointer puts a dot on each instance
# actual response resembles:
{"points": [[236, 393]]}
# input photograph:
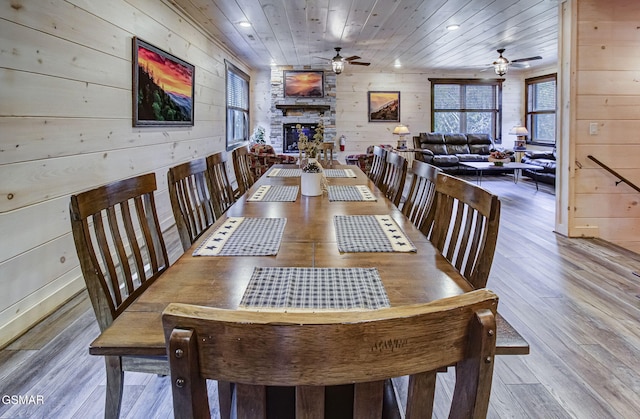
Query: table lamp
{"points": [[521, 134], [401, 131]]}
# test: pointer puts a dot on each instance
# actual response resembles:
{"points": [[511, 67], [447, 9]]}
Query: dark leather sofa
{"points": [[544, 159], [446, 151]]}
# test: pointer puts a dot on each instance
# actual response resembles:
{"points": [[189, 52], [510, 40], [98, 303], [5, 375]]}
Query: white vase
{"points": [[311, 184]]}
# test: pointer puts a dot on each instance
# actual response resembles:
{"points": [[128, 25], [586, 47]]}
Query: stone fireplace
{"points": [[290, 135], [287, 112]]}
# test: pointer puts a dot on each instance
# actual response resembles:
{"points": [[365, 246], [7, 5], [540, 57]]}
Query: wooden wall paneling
{"points": [[62, 19], [607, 94], [53, 56], [611, 82], [613, 155], [607, 107], [66, 124], [32, 182], [29, 94], [592, 57], [620, 10], [623, 232], [55, 259], [621, 132], [591, 205], [16, 319], [593, 180], [35, 138]]}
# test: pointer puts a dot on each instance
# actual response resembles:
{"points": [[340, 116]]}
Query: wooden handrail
{"points": [[613, 172]]}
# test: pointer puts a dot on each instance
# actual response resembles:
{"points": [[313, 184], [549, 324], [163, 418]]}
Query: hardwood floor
{"points": [[576, 301]]}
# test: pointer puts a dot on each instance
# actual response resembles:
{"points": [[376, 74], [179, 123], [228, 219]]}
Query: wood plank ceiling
{"points": [[412, 33]]}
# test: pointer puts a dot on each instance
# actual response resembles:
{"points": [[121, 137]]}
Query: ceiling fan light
{"points": [[337, 65], [501, 65]]}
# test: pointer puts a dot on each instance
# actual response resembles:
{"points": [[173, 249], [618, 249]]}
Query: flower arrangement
{"points": [[310, 147], [500, 157]]}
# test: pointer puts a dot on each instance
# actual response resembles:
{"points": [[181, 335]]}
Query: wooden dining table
{"points": [[308, 240]]}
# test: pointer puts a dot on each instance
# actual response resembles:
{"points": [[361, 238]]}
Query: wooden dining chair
{"points": [[242, 170], [312, 350], [326, 154], [121, 252], [420, 201], [395, 175], [191, 199], [378, 165], [221, 189], [465, 227]]}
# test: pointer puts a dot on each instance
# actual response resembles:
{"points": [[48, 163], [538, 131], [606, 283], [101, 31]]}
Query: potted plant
{"points": [[258, 135], [312, 178]]}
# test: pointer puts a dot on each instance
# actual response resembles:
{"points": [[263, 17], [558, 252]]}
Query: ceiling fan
{"points": [[337, 62], [501, 64]]}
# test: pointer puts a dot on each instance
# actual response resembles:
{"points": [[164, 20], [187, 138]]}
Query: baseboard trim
{"points": [[26, 313]]}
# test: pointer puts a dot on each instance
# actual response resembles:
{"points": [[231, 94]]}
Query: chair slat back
{"points": [[191, 199], [395, 174], [465, 227], [378, 165], [326, 154], [119, 243], [242, 169], [420, 201], [311, 350], [221, 189]]}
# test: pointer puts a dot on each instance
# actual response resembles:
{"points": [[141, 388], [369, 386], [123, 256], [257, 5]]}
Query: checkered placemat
{"points": [[350, 193], [314, 289], [277, 193], [370, 233], [240, 236], [277, 172], [339, 173]]}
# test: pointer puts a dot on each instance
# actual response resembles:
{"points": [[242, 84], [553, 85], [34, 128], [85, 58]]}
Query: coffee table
{"points": [[514, 167]]}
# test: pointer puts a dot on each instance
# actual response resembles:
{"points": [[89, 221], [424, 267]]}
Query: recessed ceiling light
{"points": [[453, 27], [245, 24]]}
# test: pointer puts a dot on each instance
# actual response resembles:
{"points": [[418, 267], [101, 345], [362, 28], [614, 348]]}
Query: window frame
{"points": [[232, 142], [497, 112], [529, 112]]}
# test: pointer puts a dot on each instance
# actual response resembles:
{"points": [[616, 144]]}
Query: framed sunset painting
{"points": [[384, 106], [303, 83], [163, 87]]}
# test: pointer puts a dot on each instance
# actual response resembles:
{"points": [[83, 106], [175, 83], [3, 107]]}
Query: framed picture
{"points": [[384, 106], [162, 87], [303, 83]]}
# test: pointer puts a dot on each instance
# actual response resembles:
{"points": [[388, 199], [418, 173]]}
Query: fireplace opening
{"points": [[290, 141]]}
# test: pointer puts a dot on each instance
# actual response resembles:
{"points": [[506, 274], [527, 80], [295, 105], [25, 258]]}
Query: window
{"points": [[540, 94], [237, 106], [467, 106]]}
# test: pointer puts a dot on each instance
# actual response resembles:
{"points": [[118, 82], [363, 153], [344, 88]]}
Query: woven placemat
{"points": [[339, 173], [277, 172], [240, 236], [350, 193], [314, 289], [370, 233], [275, 193]]}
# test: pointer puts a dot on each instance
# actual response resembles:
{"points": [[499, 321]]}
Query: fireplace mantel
{"points": [[301, 107]]}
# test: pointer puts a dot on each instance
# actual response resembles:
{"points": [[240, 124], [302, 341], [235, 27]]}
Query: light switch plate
{"points": [[593, 128]]}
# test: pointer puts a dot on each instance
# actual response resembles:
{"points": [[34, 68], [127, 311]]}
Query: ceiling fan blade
{"points": [[322, 58], [353, 57], [358, 63], [521, 60]]}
